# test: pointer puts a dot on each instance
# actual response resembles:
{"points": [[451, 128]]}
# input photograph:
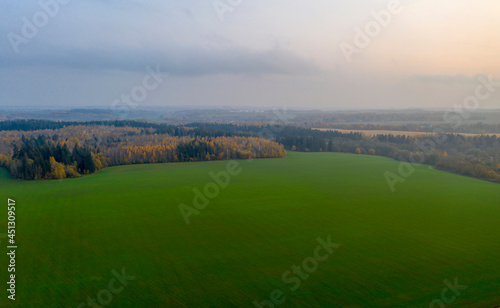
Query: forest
{"points": [[73, 150], [38, 149]]}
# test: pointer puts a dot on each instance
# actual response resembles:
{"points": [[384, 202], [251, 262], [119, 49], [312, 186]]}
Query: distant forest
{"points": [[35, 149], [476, 128]]}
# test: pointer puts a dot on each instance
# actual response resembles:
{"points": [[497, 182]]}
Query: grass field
{"points": [[396, 248]]}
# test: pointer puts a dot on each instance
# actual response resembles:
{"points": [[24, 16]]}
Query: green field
{"points": [[396, 248]]}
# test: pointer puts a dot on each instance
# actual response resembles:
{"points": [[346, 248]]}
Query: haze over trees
{"points": [[46, 150]]}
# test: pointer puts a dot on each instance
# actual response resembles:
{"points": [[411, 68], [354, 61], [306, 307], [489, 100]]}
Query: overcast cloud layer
{"points": [[260, 53]]}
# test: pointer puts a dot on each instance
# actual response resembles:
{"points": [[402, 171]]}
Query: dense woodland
{"points": [[83, 149], [45, 150]]}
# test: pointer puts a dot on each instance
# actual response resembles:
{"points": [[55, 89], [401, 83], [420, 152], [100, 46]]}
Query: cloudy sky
{"points": [[328, 54]]}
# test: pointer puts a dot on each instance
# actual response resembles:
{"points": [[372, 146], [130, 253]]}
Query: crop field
{"points": [[308, 230], [371, 133]]}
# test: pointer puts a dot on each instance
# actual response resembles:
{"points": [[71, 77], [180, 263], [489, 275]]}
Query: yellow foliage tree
{"points": [[57, 169]]}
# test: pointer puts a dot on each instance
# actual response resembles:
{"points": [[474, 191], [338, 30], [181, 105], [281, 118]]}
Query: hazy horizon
{"points": [[294, 54]]}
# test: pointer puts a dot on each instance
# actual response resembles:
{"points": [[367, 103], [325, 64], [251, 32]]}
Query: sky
{"points": [[321, 54]]}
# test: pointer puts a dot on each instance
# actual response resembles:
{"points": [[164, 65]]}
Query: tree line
{"points": [[83, 149], [475, 156]]}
